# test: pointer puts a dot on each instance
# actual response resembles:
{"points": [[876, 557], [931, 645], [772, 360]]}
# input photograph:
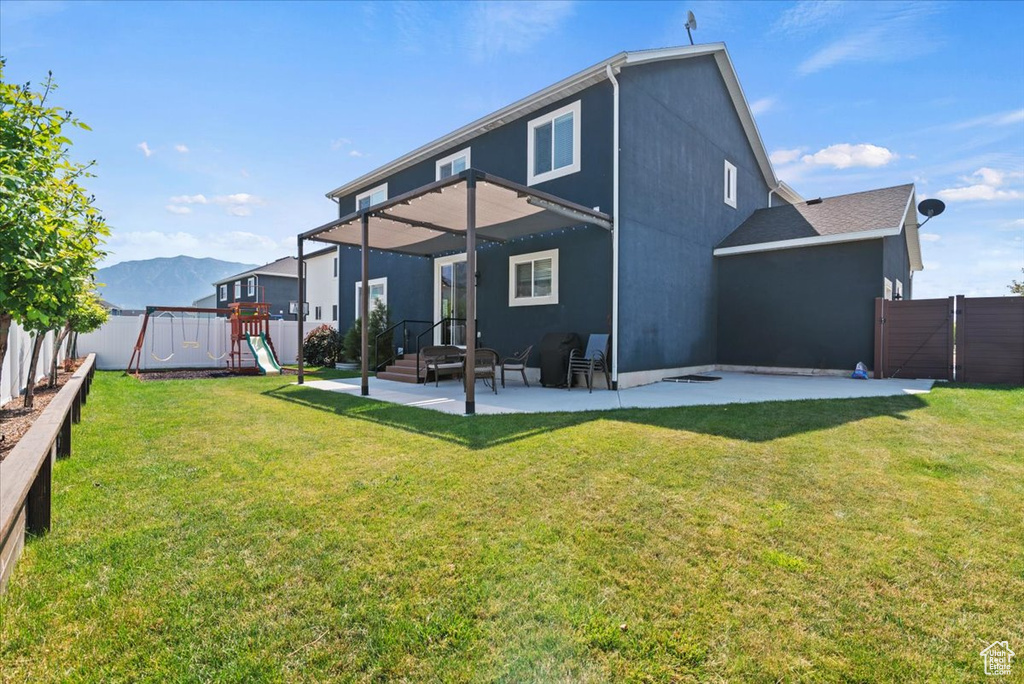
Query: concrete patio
{"points": [[733, 388]]}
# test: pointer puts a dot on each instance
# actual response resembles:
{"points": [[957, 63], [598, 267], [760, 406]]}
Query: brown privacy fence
{"points": [[26, 473], [968, 339]]}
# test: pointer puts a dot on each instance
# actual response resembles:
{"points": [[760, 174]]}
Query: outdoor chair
{"points": [[485, 367], [443, 359], [516, 362], [595, 358]]}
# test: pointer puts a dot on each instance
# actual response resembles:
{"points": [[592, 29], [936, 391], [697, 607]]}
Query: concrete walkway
{"points": [[733, 388]]}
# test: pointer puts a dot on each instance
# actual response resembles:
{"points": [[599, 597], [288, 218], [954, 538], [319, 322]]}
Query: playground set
{"points": [[248, 323]]}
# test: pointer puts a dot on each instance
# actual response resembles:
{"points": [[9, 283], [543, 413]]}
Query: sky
{"points": [[217, 128]]}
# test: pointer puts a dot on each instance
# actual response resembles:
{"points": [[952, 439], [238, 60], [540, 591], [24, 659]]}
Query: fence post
{"points": [[951, 344], [64, 438], [37, 503], [878, 370]]}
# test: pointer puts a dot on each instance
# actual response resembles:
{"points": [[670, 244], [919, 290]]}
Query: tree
{"points": [[87, 315], [1016, 286], [50, 230]]}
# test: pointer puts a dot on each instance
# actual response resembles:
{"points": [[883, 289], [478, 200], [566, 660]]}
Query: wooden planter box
{"points": [[26, 473]]}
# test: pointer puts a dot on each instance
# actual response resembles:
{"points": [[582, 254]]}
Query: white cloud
{"points": [[761, 106], [356, 153], [930, 237], [513, 27], [785, 156], [145, 149], [1001, 119], [239, 245], [338, 143], [845, 155], [177, 209], [181, 148], [238, 204], [189, 199], [240, 211], [238, 199], [809, 15], [984, 185]]}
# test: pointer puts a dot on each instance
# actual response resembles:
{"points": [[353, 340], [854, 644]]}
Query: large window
{"points": [[533, 279], [223, 293], [238, 290], [730, 184], [378, 293], [453, 164], [553, 145], [251, 286], [371, 197]]}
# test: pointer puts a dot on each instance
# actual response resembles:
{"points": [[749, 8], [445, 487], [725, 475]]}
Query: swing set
{"points": [[247, 320]]}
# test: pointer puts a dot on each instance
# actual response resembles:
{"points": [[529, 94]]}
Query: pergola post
{"points": [[471, 292], [364, 305], [299, 312]]}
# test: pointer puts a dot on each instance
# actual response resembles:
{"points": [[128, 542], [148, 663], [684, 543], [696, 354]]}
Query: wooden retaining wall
{"points": [[26, 474]]}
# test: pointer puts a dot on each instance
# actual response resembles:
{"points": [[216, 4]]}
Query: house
{"points": [[322, 288], [207, 302], [634, 198], [276, 283]]}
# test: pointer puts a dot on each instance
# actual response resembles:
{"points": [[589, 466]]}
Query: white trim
{"points": [[887, 289], [450, 158], [383, 187], [647, 377], [615, 223], [729, 184], [238, 290], [808, 241], [223, 291], [250, 286], [898, 289], [517, 259], [572, 108], [371, 282]]}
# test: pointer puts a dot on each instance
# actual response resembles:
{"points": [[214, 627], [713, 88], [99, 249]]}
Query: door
{"points": [[450, 300]]}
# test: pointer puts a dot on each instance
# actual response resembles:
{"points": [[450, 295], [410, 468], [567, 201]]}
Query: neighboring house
{"points": [[276, 283], [322, 288], [710, 259], [207, 302], [115, 310]]}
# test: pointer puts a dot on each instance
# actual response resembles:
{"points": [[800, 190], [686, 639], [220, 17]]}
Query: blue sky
{"points": [[218, 128]]}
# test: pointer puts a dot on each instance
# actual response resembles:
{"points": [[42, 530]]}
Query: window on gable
{"points": [[224, 293], [371, 197], [730, 184], [238, 290], [452, 164], [533, 278], [251, 286], [553, 146]]}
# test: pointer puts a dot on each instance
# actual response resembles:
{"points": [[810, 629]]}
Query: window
{"points": [[899, 289], [335, 267], [730, 184], [316, 315], [224, 293], [888, 288], [250, 285], [452, 164], [533, 279], [553, 145], [334, 312], [378, 292], [238, 290], [371, 197]]}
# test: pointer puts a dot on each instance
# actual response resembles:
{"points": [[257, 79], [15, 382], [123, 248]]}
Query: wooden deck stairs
{"points": [[403, 370]]}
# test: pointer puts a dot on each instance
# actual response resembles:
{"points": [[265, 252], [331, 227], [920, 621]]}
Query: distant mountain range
{"points": [[165, 281]]}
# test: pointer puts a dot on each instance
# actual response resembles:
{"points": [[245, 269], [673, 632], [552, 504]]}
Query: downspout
{"points": [[615, 226], [770, 196]]}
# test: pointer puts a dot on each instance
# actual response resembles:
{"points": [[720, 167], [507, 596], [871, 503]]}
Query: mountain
{"points": [[173, 281]]}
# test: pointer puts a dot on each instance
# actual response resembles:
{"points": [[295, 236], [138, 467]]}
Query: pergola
{"points": [[445, 216]]}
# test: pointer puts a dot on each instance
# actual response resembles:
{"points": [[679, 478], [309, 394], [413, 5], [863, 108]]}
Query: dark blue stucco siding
{"points": [[585, 258], [678, 126], [896, 263], [278, 291]]}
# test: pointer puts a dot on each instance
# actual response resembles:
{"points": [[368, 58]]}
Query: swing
{"points": [[209, 342], [187, 343], [152, 340]]}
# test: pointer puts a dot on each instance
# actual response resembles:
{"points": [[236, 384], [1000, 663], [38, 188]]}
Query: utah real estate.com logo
{"points": [[997, 657]]}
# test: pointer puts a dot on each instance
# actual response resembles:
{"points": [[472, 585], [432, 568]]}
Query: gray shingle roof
{"points": [[840, 215], [282, 267]]}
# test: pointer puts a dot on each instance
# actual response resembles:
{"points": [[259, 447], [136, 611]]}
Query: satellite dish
{"points": [[691, 23], [931, 207]]}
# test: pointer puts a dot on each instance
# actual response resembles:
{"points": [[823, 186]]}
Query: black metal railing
{"points": [[392, 350], [443, 321]]}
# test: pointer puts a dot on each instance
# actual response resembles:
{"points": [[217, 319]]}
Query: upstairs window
{"points": [[553, 145], [372, 197], [250, 286], [533, 278], [730, 184], [238, 290], [453, 164], [224, 293]]}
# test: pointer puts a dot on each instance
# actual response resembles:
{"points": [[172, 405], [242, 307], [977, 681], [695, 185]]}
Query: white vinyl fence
{"points": [[179, 341], [15, 363]]}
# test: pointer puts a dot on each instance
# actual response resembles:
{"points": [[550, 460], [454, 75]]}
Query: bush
{"points": [[322, 346], [380, 320], [353, 341]]}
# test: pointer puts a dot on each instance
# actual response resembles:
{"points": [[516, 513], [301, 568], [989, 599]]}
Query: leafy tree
{"points": [[50, 231], [1017, 286], [87, 315]]}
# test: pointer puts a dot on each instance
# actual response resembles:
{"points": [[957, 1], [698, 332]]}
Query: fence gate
{"points": [[969, 340]]}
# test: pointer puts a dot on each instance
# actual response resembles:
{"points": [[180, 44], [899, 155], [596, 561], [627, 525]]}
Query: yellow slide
{"points": [[264, 357]]}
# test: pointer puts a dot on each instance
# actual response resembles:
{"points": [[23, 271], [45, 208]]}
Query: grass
{"points": [[251, 530]]}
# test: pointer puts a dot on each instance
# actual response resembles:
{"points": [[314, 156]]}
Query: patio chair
{"points": [[516, 362], [442, 359], [595, 358], [485, 368]]}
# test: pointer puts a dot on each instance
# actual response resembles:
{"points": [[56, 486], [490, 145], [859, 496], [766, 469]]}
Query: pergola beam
{"points": [[471, 293], [432, 226]]}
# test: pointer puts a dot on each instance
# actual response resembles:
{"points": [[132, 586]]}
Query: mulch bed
{"points": [[15, 419], [211, 374]]}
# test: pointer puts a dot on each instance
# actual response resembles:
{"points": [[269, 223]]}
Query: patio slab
{"points": [[733, 388]]}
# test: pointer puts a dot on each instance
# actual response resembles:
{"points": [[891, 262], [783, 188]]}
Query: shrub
{"points": [[322, 346], [353, 341]]}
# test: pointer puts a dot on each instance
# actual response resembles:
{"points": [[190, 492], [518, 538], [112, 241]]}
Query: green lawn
{"points": [[252, 530]]}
